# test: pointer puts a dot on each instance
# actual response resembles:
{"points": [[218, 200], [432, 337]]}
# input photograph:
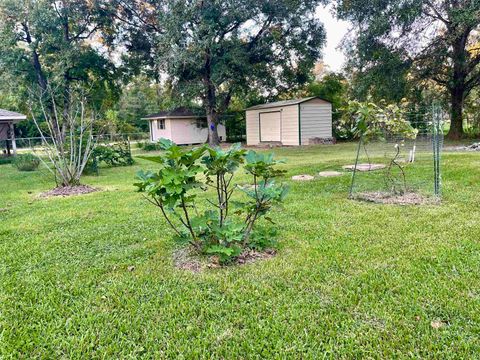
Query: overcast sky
{"points": [[336, 30]]}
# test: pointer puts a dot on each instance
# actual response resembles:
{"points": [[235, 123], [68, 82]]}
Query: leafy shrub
{"points": [[112, 155], [26, 162], [5, 160], [149, 146], [227, 227]]}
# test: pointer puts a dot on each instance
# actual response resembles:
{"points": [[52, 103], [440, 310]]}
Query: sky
{"points": [[336, 30]]}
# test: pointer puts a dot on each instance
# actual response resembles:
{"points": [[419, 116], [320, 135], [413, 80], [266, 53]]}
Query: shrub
{"points": [[5, 160], [112, 155], [26, 162], [151, 146], [227, 227]]}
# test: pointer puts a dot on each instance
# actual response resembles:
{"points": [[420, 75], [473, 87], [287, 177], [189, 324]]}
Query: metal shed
{"points": [[7, 133], [291, 122]]}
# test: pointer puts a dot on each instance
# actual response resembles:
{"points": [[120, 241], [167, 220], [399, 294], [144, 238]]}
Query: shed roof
{"points": [[180, 112], [11, 116], [284, 103]]}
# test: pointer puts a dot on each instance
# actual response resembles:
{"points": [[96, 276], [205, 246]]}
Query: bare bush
{"points": [[67, 134]]}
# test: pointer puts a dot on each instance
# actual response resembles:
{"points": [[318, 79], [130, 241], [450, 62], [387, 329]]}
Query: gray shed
{"points": [[291, 122]]}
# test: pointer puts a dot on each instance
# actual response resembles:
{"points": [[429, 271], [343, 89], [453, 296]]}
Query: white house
{"points": [[182, 126], [7, 133], [291, 122]]}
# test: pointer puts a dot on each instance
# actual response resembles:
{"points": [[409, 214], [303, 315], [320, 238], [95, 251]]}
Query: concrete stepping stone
{"points": [[329, 173], [303, 178], [364, 167]]}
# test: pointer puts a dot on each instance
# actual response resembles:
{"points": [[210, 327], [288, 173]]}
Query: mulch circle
{"points": [[410, 198], [68, 191], [186, 259]]}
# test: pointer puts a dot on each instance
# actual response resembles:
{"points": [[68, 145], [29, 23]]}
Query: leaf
{"points": [[155, 159]]}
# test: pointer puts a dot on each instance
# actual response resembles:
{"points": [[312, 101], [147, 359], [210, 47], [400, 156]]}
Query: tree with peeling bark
{"points": [[429, 39], [213, 50]]}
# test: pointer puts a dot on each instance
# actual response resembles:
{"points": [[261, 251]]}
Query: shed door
{"points": [[270, 126]]}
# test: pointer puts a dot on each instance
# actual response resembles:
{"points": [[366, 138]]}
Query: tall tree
{"points": [[53, 43], [431, 38], [213, 50]]}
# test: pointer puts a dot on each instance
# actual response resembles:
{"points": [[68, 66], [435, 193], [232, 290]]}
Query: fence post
{"points": [[355, 168]]}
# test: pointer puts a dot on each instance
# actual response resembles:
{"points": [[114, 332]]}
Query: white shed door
{"points": [[270, 127]]}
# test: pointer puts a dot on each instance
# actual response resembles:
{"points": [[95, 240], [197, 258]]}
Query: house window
{"points": [[161, 124], [201, 123]]}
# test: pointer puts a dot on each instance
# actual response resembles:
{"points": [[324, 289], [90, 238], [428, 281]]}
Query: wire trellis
{"points": [[398, 166]]}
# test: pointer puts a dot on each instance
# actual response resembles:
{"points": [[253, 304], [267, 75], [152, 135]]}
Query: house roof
{"points": [[180, 112], [284, 103], [10, 116]]}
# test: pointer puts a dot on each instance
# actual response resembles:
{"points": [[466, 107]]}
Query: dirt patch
{"points": [[186, 259], [68, 191], [364, 167], [410, 198], [250, 256]]}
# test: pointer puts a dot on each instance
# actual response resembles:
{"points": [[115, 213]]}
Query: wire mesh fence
{"points": [[400, 170], [37, 143]]}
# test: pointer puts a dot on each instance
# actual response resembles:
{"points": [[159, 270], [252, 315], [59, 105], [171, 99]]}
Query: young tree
{"points": [[433, 39], [68, 155], [213, 50]]}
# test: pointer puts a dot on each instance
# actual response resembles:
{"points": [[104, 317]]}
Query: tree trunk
{"points": [[457, 86], [212, 121], [456, 113]]}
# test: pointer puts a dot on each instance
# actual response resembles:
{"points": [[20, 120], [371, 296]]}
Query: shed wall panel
{"points": [[316, 120]]}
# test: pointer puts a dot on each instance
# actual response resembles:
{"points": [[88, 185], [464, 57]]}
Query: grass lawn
{"points": [[351, 279]]}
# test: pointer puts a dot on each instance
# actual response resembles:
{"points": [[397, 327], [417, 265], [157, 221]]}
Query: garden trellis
{"points": [[393, 166]]}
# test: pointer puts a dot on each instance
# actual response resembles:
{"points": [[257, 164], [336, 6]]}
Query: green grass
{"points": [[351, 279]]}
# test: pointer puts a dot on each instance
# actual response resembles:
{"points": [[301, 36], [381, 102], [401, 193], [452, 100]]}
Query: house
{"points": [[291, 122], [7, 121], [182, 126]]}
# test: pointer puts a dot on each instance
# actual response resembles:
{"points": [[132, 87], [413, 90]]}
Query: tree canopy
{"points": [[213, 50], [417, 40]]}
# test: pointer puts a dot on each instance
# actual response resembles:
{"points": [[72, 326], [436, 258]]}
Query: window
{"points": [[202, 123], [161, 124]]}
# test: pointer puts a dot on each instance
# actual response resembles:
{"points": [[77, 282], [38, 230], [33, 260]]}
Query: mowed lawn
{"points": [[351, 279]]}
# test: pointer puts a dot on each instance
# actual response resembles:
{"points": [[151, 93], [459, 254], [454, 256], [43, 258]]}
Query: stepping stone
{"points": [[329, 173], [364, 167], [303, 178]]}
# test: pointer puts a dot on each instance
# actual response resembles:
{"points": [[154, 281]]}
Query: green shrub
{"points": [[151, 146], [5, 160], [112, 155], [26, 162], [227, 227]]}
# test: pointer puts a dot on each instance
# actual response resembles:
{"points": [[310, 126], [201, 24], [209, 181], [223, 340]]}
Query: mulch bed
{"points": [[68, 191], [388, 198], [186, 259]]}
